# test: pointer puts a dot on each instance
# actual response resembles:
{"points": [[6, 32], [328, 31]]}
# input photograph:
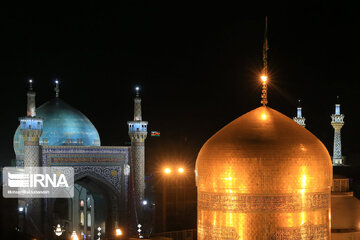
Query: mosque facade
{"points": [[56, 134]]}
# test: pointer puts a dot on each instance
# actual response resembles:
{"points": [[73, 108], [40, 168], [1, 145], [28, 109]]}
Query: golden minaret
{"points": [[263, 176]]}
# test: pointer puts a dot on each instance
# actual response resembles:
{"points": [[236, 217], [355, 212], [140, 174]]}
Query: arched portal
{"points": [[96, 203]]}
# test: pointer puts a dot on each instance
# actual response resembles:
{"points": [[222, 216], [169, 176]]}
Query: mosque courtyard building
{"points": [[56, 134]]}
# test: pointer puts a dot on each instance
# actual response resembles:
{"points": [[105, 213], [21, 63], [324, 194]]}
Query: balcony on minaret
{"points": [[138, 130], [138, 126], [337, 118], [31, 123]]}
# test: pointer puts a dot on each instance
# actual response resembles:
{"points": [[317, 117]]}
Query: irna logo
{"points": [[26, 180]]}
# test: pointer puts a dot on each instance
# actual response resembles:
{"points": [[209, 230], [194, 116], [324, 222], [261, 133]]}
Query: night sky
{"points": [[197, 67]]}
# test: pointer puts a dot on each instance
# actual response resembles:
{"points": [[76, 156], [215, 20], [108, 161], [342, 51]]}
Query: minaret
{"points": [[138, 133], [337, 121], [299, 118], [31, 130]]}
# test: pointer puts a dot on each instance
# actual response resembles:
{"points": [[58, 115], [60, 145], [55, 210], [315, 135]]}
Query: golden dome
{"points": [[263, 176]]}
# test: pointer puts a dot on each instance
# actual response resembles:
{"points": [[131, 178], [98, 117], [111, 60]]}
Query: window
{"points": [[82, 218], [88, 202], [89, 219]]}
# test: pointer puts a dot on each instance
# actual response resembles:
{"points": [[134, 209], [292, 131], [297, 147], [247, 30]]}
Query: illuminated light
{"points": [[30, 81], [74, 236], [137, 88], [302, 218], [56, 81], [167, 170], [144, 202], [181, 170], [263, 116], [302, 148], [228, 179], [21, 209], [118, 232], [264, 78], [303, 180], [58, 231]]}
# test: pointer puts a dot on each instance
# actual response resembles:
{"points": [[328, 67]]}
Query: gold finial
{"points": [[264, 76]]}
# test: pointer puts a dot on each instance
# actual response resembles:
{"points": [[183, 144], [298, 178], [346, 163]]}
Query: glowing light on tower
{"points": [[264, 78]]}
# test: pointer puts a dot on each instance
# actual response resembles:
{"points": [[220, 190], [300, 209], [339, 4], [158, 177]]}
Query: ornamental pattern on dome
{"points": [[263, 176], [63, 126]]}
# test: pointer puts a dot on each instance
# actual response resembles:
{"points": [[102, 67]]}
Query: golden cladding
{"points": [[263, 176]]}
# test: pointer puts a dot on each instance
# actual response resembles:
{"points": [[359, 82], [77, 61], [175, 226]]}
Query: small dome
{"points": [[63, 125]]}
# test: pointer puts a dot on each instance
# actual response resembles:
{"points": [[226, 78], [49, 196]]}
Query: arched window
{"points": [[82, 218], [89, 219], [88, 202]]}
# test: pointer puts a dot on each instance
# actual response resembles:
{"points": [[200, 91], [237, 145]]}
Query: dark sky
{"points": [[197, 66]]}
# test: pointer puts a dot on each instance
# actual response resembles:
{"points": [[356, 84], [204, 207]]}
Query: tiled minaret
{"points": [[31, 130], [299, 118], [138, 134], [337, 121]]}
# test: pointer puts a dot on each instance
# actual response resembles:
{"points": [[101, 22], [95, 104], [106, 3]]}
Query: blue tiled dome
{"points": [[63, 125]]}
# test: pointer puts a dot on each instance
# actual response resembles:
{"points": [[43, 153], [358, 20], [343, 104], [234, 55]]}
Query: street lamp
{"points": [[180, 171], [167, 170]]}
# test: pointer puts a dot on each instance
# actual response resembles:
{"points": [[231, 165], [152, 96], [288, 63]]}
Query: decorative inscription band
{"points": [[261, 203]]}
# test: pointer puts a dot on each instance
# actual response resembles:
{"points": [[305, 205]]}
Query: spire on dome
{"points": [[57, 88], [264, 76]]}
